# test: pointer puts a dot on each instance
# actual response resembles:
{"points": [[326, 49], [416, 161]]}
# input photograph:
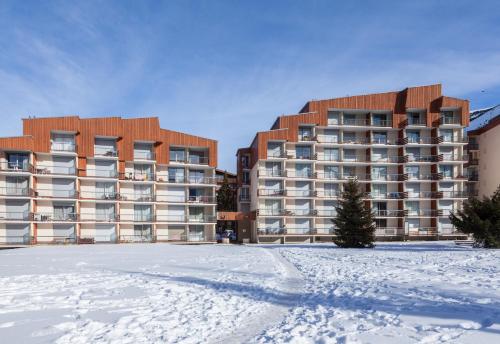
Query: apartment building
{"points": [[90, 180], [484, 160], [405, 148]]}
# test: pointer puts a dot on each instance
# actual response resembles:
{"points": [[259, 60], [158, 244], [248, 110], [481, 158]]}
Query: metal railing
{"points": [[63, 147], [271, 212], [424, 176], [453, 194], [422, 194], [190, 159], [355, 122], [99, 217], [452, 157], [15, 191], [389, 231], [271, 231], [328, 194], [421, 158], [299, 174], [201, 180], [105, 152], [15, 166], [139, 155], [327, 139], [55, 217], [300, 212], [54, 169], [136, 238], [326, 157], [171, 218], [419, 122], [138, 176], [449, 120], [54, 193], [270, 192], [422, 231], [299, 193], [452, 139], [420, 140], [100, 173], [270, 173], [389, 213], [387, 177], [326, 212], [137, 196], [21, 239], [202, 218], [201, 199], [171, 198], [390, 159], [353, 158], [386, 195], [16, 216], [100, 195], [423, 212], [276, 155], [290, 230]]}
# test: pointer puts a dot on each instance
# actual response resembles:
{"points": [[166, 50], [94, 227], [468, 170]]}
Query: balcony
{"points": [[375, 122], [327, 157], [449, 121], [201, 180], [388, 159], [386, 195], [142, 217], [388, 213], [16, 216], [300, 212], [271, 212], [171, 218], [292, 155], [190, 159], [55, 169], [6, 166], [424, 176], [423, 213], [15, 191], [299, 193], [327, 139], [137, 197], [99, 217], [105, 152], [328, 194], [54, 193], [291, 230], [138, 176], [326, 212], [421, 122], [423, 194], [384, 141], [299, 174], [100, 195], [423, 231], [203, 218], [387, 177], [389, 231], [271, 231], [453, 194], [271, 192], [99, 173], [270, 173], [69, 147], [446, 139], [201, 199], [141, 155], [427, 140], [276, 155], [55, 217], [355, 122], [353, 158], [453, 157], [421, 158]]}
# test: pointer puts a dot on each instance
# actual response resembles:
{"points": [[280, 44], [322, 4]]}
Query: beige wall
{"points": [[489, 161]]}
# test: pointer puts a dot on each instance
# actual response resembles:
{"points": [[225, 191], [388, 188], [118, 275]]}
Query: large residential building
{"points": [[484, 158], [405, 148], [86, 180]]}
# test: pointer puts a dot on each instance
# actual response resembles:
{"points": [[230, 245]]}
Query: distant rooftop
{"points": [[482, 117]]}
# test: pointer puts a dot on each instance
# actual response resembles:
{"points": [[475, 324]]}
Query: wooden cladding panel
{"points": [[264, 137], [420, 97], [127, 131], [19, 142]]}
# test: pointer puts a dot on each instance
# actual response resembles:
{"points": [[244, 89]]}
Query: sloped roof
{"points": [[481, 118]]}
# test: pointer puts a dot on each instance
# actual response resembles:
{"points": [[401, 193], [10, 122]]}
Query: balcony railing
{"points": [[449, 120], [111, 195], [389, 159], [105, 152], [328, 193], [423, 213], [15, 191], [389, 231], [99, 217], [20, 239], [138, 176], [386, 195], [418, 122], [15, 166], [422, 231], [54, 193], [137, 196], [424, 176], [383, 141], [292, 230], [276, 155], [202, 218], [420, 140], [355, 140], [299, 193], [452, 139], [136, 238], [201, 180], [55, 169], [326, 157], [421, 158], [100, 173], [355, 122], [201, 199], [387, 177], [143, 217], [299, 174], [190, 159], [381, 122], [473, 162], [300, 156], [16, 216], [326, 212], [327, 139], [454, 194], [270, 173], [56, 217], [63, 147], [171, 218], [353, 158], [422, 194], [270, 192], [140, 155], [271, 212], [389, 213], [271, 231], [300, 212]]}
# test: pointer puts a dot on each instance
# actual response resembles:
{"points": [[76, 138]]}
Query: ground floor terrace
{"points": [[412, 292]]}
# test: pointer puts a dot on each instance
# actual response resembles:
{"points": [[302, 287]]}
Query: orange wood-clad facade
{"points": [[422, 98], [37, 136]]}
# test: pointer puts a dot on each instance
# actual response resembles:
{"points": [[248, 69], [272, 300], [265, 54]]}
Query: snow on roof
{"points": [[480, 118]]}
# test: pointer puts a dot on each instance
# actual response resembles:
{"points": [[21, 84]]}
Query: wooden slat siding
{"points": [[127, 130], [18, 142], [264, 137], [460, 103], [239, 166]]}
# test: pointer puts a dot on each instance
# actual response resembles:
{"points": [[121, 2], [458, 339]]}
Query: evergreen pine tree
{"points": [[225, 196], [481, 218], [353, 225]]}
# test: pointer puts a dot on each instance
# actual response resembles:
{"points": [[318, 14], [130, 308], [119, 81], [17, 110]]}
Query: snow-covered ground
{"points": [[396, 293]]}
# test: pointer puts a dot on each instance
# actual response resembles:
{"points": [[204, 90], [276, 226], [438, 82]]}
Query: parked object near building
{"points": [[89, 180], [483, 151], [405, 148]]}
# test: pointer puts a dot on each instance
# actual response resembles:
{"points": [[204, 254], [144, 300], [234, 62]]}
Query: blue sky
{"points": [[226, 69]]}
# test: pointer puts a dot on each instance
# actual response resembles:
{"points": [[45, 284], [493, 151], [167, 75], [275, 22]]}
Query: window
{"points": [[447, 134], [142, 232], [380, 120], [105, 147], [331, 190], [349, 119], [305, 133], [333, 118], [64, 212], [331, 154], [105, 190], [175, 175], [329, 135], [245, 177], [142, 172], [413, 118], [379, 172], [104, 168], [379, 137], [413, 172], [142, 192], [245, 161], [349, 171], [63, 165], [379, 189], [177, 155], [413, 207], [105, 212], [446, 171], [196, 176], [303, 152], [17, 161], [349, 154], [18, 186], [143, 151], [274, 150], [447, 117], [413, 153], [63, 142], [349, 137], [379, 154], [303, 170], [143, 212], [413, 136], [331, 172]]}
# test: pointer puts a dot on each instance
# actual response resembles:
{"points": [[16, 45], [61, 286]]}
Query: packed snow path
{"points": [[141, 293], [395, 293], [157, 293]]}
